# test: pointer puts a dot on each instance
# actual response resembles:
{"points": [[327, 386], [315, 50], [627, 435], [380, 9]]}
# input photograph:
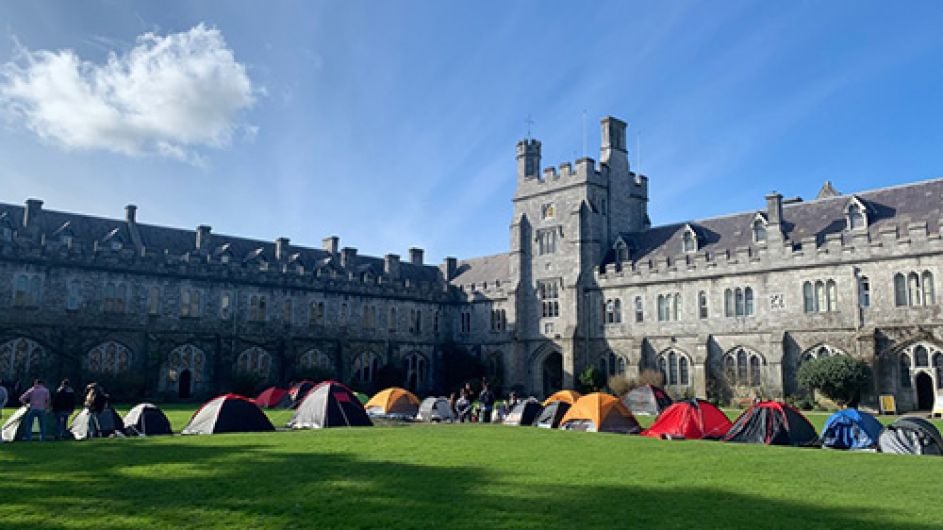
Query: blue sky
{"points": [[393, 124]]}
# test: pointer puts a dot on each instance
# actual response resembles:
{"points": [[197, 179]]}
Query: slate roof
{"points": [[86, 229], [480, 270], [886, 207]]}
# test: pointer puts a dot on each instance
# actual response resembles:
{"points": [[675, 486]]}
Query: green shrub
{"points": [[246, 383], [839, 378], [592, 380]]}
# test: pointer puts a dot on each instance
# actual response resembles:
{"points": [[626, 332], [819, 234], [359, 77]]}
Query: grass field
{"points": [[456, 476]]}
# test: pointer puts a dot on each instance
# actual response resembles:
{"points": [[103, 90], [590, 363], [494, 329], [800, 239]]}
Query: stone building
{"points": [[727, 306]]}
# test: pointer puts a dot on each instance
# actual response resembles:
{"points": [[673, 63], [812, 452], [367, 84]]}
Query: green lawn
{"points": [[454, 476]]}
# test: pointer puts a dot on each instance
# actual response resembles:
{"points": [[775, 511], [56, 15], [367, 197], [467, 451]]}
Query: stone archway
{"points": [[551, 370], [923, 386]]}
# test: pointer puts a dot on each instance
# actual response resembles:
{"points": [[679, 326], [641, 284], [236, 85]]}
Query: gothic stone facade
{"points": [[727, 306]]}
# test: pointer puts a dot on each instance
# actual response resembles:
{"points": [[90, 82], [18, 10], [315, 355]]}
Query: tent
{"points": [[435, 409], [146, 419], [567, 396], [393, 402], [330, 404], [598, 412], [524, 413], [14, 429], [550, 416], [299, 390], [690, 420], [911, 436], [228, 413], [87, 424], [647, 400], [772, 423], [273, 398], [851, 429]]}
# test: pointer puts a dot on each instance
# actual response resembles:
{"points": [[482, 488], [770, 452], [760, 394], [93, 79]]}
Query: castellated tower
{"points": [[565, 221]]}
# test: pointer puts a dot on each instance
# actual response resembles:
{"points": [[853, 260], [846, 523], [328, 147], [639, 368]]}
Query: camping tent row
{"points": [[145, 419]]}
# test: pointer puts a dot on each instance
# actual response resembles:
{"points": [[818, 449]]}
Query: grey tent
{"points": [[330, 404], [146, 419], [14, 429], [911, 436], [435, 409], [524, 413], [550, 416], [87, 424], [647, 400]]}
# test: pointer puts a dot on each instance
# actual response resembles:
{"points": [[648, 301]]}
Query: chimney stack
{"points": [[330, 245], [451, 267], [347, 257], [130, 214], [391, 265], [31, 214], [281, 248], [774, 210], [415, 256], [203, 233]]}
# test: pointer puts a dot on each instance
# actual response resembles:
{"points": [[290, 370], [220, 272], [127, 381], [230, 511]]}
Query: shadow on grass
{"points": [[236, 483]]}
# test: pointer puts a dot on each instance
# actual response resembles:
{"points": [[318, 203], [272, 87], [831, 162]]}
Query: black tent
{"points": [[911, 436], [299, 390], [228, 413], [772, 423], [524, 413], [550, 416], [330, 404], [435, 409], [87, 424], [146, 419]]}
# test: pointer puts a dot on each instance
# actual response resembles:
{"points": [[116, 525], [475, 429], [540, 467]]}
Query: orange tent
{"points": [[566, 396], [393, 400], [598, 412]]}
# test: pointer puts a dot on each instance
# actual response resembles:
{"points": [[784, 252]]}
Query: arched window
{"points": [[738, 297], [254, 360], [188, 357], [824, 352], [684, 379], [820, 352], [864, 291], [759, 231], [938, 368], [730, 369], [754, 371], [21, 290], [315, 358], [831, 295], [702, 304], [904, 370], [662, 308], [900, 290], [639, 313], [108, 358], [365, 367], [743, 367], [820, 303], [808, 298], [921, 357], [913, 289], [74, 294], [618, 304], [663, 367], [672, 368], [728, 303], [414, 367], [928, 295], [748, 301], [611, 364], [676, 307], [393, 323], [855, 218], [689, 242], [19, 358], [622, 252]]}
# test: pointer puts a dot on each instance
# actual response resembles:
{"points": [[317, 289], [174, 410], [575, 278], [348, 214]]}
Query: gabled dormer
{"points": [[621, 250], [64, 234], [257, 257], [689, 242], [114, 240], [856, 215], [223, 253], [7, 226], [758, 228]]}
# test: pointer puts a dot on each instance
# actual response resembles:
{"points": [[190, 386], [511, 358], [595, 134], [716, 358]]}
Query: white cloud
{"points": [[167, 96]]}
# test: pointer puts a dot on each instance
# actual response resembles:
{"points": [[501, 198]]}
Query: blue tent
{"points": [[851, 429]]}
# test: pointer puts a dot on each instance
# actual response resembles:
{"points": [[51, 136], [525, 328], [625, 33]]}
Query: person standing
{"points": [[63, 405], [486, 399], [4, 396], [37, 399]]}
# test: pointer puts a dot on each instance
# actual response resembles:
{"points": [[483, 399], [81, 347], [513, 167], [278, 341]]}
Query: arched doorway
{"points": [[183, 384], [552, 373], [924, 386]]}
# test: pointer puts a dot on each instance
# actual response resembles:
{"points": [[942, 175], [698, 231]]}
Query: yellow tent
{"points": [[566, 396], [598, 412], [393, 400]]}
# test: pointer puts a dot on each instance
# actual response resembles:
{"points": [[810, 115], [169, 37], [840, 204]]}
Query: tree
{"points": [[592, 379], [839, 378]]}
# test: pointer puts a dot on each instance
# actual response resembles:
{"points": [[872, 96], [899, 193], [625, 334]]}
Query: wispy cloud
{"points": [[167, 96]]}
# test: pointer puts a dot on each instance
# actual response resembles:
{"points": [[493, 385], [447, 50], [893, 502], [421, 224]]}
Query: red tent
{"points": [[273, 398], [691, 420]]}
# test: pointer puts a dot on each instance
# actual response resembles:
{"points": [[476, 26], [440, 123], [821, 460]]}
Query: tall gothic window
{"points": [[19, 358], [743, 367], [702, 304], [365, 367], [639, 312], [675, 368], [864, 291], [254, 360], [108, 358]]}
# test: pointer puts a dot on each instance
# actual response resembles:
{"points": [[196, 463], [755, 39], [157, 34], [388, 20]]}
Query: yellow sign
{"points": [[888, 404]]}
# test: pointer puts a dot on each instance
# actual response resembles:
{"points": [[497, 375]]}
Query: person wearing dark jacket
{"points": [[486, 399], [63, 405]]}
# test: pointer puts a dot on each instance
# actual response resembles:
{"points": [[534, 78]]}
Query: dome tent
{"points": [[299, 390], [273, 398], [551, 415], [228, 413], [851, 429], [772, 423], [567, 396], [330, 404], [435, 409], [105, 424], [524, 413], [598, 412], [647, 400], [14, 429], [146, 419], [393, 402], [911, 436], [693, 419]]}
